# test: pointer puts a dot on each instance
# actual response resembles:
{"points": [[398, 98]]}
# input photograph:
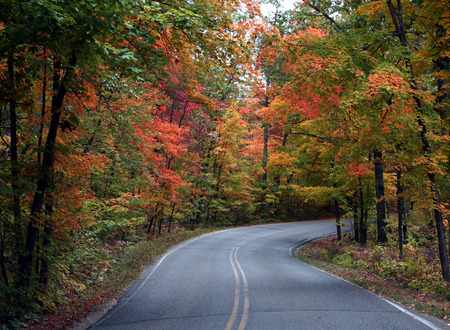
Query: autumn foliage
{"points": [[120, 120]]}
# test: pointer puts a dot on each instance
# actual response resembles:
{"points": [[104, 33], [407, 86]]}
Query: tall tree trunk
{"points": [[184, 113], [171, 218], [397, 18], [14, 160], [265, 152], [401, 213], [381, 202], [338, 219], [152, 218], [355, 217], [44, 104], [362, 219], [46, 243], [59, 87], [2, 255]]}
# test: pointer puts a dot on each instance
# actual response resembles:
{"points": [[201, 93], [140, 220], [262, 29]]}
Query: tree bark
{"points": [[14, 160], [171, 218], [362, 222], [355, 218], [44, 96], [397, 18], [401, 213], [265, 152], [2, 255], [59, 86], [381, 202], [338, 220]]}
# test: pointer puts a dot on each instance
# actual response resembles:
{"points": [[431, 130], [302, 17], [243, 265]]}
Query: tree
{"points": [[71, 73]]}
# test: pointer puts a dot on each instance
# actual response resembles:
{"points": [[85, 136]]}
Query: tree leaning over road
{"points": [[122, 119]]}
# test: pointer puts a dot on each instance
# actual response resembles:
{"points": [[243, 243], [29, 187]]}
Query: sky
{"points": [[287, 4]]}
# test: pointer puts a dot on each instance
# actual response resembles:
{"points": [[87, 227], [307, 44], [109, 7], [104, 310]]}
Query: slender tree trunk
{"points": [[265, 152], [397, 18], [400, 212], [44, 104], [160, 223], [184, 113], [14, 156], [48, 229], [381, 202], [45, 265], [355, 217], [338, 219], [171, 218], [150, 223], [46, 243], [59, 87], [152, 218], [362, 220], [2, 255]]}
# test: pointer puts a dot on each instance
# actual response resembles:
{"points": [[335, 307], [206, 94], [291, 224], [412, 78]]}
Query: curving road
{"points": [[247, 278]]}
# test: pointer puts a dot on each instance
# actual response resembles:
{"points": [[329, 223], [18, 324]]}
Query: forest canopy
{"points": [[122, 119]]}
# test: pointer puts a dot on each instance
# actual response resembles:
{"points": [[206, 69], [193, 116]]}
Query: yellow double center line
{"points": [[238, 269], [238, 273]]}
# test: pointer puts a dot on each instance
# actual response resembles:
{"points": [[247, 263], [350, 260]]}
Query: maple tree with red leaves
{"points": [[123, 120]]}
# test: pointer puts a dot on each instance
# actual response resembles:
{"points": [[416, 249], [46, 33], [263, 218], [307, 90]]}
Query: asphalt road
{"points": [[247, 278]]}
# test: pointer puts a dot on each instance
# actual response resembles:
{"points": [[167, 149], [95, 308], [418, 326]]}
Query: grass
{"points": [[113, 269], [362, 266]]}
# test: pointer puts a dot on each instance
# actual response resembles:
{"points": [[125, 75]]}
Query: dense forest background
{"points": [[124, 119]]}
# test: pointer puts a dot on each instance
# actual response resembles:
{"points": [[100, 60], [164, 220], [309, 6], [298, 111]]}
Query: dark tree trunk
{"points": [[14, 156], [397, 18], [2, 255], [338, 219], [355, 218], [150, 223], [381, 202], [45, 267], [401, 213], [59, 87], [363, 217], [265, 152], [44, 104], [160, 223], [171, 218], [184, 113]]}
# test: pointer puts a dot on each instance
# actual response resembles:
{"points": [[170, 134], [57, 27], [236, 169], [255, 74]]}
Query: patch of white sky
{"points": [[269, 9]]}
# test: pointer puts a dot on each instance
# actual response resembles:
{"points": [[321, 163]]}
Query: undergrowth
{"points": [[101, 271], [415, 281]]}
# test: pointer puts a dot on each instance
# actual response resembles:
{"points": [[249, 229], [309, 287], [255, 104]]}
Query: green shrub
{"points": [[329, 253], [343, 259]]}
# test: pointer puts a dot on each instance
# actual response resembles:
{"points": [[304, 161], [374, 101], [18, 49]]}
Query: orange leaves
{"points": [[386, 78]]}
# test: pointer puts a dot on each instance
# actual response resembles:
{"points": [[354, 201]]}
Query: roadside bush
{"points": [[329, 253], [343, 259]]}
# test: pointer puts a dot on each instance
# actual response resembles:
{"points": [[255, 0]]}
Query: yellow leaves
{"points": [[318, 194], [281, 161], [374, 9]]}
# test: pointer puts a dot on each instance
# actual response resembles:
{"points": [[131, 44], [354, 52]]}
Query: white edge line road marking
{"points": [[414, 316], [155, 267], [403, 310]]}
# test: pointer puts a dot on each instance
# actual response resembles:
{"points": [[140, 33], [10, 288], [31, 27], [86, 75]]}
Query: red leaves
{"points": [[356, 169]]}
